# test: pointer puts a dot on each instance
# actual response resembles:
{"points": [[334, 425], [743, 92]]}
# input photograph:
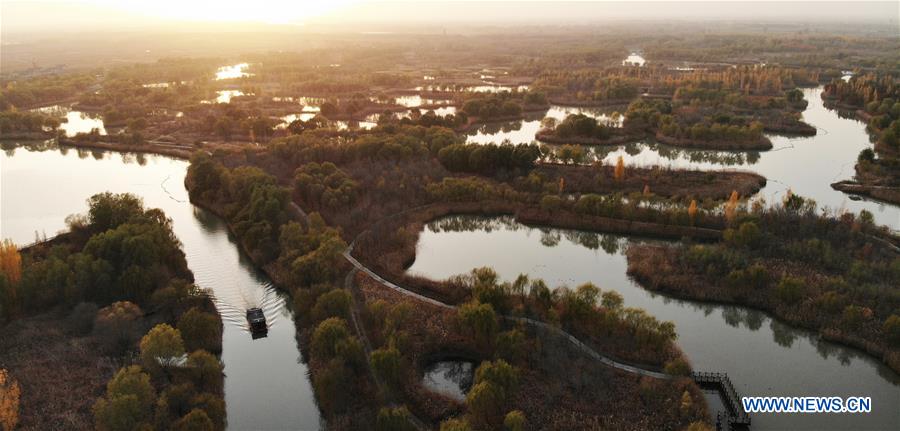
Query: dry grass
{"points": [[61, 375]]}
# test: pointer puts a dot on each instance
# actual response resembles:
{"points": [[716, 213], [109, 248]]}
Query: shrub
{"points": [[81, 319], [854, 316], [514, 421], [891, 330], [455, 425], [754, 277], [790, 290], [747, 235], [677, 367], [200, 330], [196, 420], [117, 326], [10, 392], [551, 203], [396, 419]]}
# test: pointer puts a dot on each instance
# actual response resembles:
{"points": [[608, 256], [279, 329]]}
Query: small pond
{"points": [[450, 378]]}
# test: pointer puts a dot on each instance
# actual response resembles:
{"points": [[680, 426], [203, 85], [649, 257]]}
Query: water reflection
{"points": [[763, 356], [74, 122], [806, 165], [233, 71], [266, 384], [450, 378], [224, 96], [524, 131], [634, 59]]}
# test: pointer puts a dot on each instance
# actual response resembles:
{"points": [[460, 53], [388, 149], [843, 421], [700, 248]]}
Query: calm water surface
{"points": [[233, 71], [450, 378], [761, 355], [806, 165], [267, 384], [74, 122]]}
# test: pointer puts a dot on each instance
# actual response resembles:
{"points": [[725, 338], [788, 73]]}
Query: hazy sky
{"points": [[99, 15]]}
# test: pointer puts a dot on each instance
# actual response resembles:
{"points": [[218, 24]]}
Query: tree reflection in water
{"points": [[451, 378], [737, 317]]}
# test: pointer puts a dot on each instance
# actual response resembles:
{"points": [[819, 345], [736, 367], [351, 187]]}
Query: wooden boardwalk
{"points": [[736, 417]]}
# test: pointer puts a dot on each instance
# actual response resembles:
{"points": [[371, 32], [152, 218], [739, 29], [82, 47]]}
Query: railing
{"points": [[736, 414]]}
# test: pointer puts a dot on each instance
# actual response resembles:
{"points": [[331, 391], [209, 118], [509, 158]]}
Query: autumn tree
{"points": [[480, 320], [9, 401], [692, 210], [620, 169], [195, 420], [163, 345], [387, 363], [514, 421], [456, 425], [206, 371], [731, 207], [494, 383], [117, 326], [394, 419], [551, 203], [10, 274], [10, 261], [128, 403], [200, 330], [891, 330]]}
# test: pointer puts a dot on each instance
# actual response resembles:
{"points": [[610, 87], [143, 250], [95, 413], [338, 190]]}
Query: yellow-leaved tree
{"points": [[9, 401], [10, 273], [10, 261], [731, 207], [692, 210], [620, 168]]}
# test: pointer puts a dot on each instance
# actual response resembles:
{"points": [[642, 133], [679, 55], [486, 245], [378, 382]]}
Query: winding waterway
{"points": [[806, 165], [267, 385], [763, 356]]}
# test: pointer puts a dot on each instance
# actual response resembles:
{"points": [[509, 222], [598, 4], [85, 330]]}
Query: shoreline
{"points": [[654, 282]]}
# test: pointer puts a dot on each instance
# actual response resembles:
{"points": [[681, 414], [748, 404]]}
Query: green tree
{"points": [[206, 371], [790, 290], [335, 303], [196, 420], [128, 403], [455, 425], [333, 386], [200, 330], [394, 419], [891, 330], [551, 203], [214, 406], [511, 346], [480, 320], [109, 210], [677, 367], [514, 421], [327, 335], [387, 363], [163, 345], [485, 401]]}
